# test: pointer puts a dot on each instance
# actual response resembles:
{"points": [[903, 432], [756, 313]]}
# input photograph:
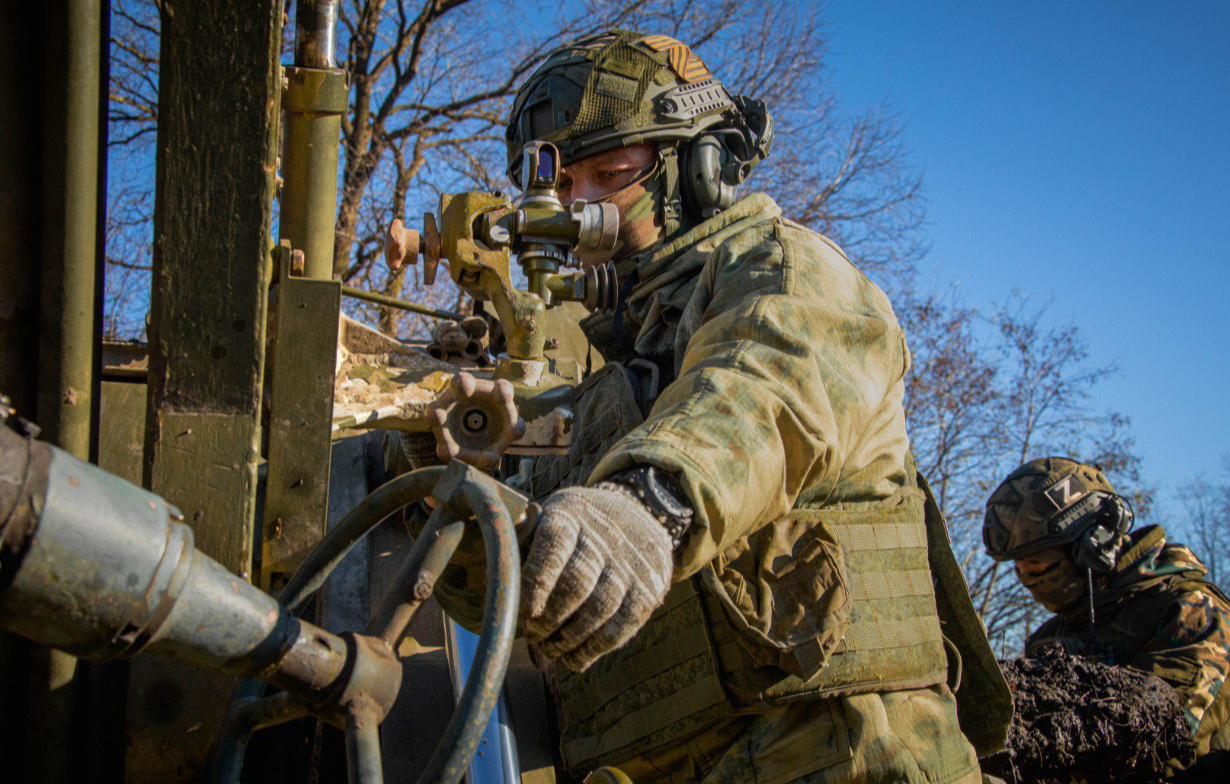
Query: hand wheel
{"points": [[360, 697]]}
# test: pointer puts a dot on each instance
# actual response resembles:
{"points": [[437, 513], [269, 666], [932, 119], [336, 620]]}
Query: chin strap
{"points": [[672, 200]]}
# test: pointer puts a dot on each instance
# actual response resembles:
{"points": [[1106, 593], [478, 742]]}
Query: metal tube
{"points": [[363, 764], [401, 304], [315, 101], [315, 33], [416, 578], [482, 689], [496, 761], [269, 711], [370, 512], [317, 95], [111, 573], [67, 339]]}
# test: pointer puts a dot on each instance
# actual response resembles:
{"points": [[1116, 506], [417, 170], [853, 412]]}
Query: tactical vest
{"points": [[872, 623]]}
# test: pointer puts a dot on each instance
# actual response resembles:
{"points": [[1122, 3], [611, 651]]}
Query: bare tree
{"points": [[1207, 524], [431, 85], [132, 123], [986, 394]]}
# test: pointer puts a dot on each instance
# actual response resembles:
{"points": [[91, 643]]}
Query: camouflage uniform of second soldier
{"points": [[1152, 607], [801, 640]]}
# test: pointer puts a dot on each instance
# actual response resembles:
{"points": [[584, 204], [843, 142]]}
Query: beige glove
{"points": [[598, 566]]}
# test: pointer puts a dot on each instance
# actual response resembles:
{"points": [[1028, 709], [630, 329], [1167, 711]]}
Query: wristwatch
{"points": [[662, 495]]}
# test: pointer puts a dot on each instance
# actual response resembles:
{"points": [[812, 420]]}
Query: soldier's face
{"points": [[605, 173], [626, 178], [1037, 563]]}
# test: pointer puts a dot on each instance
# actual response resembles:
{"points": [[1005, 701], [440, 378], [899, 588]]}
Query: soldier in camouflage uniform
{"points": [[1128, 598], [737, 566]]}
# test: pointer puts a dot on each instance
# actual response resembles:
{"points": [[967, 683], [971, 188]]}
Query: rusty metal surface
{"points": [[125, 360], [384, 501], [112, 572], [475, 420], [497, 510], [363, 761], [300, 422], [460, 492], [415, 581]]}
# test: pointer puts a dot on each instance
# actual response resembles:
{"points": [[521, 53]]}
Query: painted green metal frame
{"points": [[300, 421]]}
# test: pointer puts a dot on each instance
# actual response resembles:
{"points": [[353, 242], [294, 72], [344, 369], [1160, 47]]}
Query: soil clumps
{"points": [[1079, 720]]}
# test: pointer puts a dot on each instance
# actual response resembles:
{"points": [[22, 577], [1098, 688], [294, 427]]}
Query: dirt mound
{"points": [[1077, 719]]}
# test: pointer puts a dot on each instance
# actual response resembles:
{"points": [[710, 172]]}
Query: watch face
{"points": [[663, 489]]}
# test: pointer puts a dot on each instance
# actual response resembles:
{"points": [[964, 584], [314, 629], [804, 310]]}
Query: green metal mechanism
{"points": [[301, 410], [314, 102], [308, 299], [245, 351], [103, 569], [477, 235]]}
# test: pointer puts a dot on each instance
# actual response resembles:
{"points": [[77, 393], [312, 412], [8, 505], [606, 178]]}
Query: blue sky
{"points": [[1078, 152]]}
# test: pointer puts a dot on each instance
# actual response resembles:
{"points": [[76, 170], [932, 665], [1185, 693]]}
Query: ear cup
{"points": [[1097, 547], [707, 191]]}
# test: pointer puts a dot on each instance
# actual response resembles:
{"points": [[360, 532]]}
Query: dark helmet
{"points": [[1056, 501], [622, 88]]}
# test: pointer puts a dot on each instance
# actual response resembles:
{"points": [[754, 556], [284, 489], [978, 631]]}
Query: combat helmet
{"points": [[1056, 501], [621, 88]]}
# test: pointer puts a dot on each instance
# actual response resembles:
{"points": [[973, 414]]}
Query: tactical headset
{"points": [[716, 163], [1095, 549]]}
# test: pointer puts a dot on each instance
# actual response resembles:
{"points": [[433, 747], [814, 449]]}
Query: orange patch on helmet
{"points": [[681, 59]]}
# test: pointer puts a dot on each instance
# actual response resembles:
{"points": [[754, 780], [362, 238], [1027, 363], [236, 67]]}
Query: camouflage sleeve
{"points": [[791, 357], [1191, 651]]}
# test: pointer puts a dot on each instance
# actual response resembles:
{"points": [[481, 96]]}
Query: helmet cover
{"points": [[1046, 502], [615, 89]]}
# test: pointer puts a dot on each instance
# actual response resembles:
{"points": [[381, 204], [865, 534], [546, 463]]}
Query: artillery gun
{"points": [[247, 374]]}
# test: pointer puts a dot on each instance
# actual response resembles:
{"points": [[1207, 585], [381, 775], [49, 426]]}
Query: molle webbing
{"points": [[689, 668], [662, 686], [893, 640]]}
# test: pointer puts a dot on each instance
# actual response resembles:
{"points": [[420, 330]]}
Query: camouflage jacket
{"points": [[780, 370], [785, 368], [1157, 613]]}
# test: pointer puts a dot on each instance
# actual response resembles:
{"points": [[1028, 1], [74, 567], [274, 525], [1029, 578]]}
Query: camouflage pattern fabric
{"points": [[1156, 612], [787, 376], [1023, 512], [900, 736]]}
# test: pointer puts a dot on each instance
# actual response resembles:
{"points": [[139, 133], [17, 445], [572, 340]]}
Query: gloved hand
{"points": [[598, 566]]}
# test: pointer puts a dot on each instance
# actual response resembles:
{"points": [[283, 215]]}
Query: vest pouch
{"points": [[661, 687], [786, 591], [873, 626]]}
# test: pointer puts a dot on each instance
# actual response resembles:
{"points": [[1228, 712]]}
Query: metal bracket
{"points": [[300, 426]]}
